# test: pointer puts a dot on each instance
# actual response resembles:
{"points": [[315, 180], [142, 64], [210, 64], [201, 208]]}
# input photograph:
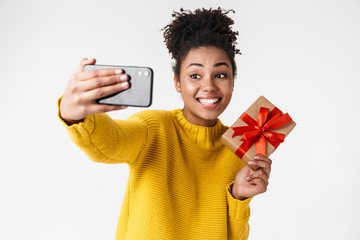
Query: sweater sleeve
{"points": [[238, 217], [107, 140]]}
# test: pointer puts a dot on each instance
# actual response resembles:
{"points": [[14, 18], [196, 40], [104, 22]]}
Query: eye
{"points": [[195, 76], [220, 75]]}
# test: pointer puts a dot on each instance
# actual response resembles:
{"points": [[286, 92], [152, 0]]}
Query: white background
{"points": [[302, 55]]}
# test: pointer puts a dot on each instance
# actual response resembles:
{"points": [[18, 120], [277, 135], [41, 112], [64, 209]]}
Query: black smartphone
{"points": [[141, 84]]}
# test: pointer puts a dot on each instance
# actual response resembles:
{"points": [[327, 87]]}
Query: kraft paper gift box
{"points": [[260, 129]]}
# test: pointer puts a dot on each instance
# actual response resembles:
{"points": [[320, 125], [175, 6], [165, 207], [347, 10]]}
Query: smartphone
{"points": [[141, 84]]}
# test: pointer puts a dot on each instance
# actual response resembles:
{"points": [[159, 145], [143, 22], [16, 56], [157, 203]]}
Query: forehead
{"points": [[205, 56]]}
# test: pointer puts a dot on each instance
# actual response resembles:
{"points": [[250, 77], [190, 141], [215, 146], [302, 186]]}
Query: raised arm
{"points": [[100, 137]]}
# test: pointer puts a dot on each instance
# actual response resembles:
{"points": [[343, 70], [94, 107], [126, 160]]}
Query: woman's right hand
{"points": [[84, 88]]}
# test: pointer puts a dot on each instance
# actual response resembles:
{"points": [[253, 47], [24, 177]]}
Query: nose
{"points": [[208, 84]]}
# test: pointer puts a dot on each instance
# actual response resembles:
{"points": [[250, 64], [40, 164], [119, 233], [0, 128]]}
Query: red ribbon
{"points": [[258, 131]]}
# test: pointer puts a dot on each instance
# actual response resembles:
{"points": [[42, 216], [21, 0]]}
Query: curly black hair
{"points": [[202, 27]]}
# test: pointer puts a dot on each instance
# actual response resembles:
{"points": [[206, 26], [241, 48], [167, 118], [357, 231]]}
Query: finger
{"points": [[260, 164], [102, 108], [102, 82], [85, 61], [260, 184], [259, 174], [261, 157], [105, 91], [263, 162], [96, 73]]}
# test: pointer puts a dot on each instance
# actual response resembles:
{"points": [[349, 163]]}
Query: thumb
{"points": [[85, 61], [244, 173]]}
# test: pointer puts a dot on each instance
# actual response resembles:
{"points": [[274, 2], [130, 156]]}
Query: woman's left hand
{"points": [[249, 182]]}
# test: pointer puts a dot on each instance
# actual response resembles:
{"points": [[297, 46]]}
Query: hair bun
{"points": [[190, 26], [203, 27]]}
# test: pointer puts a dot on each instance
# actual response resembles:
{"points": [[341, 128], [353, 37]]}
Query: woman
{"points": [[183, 183]]}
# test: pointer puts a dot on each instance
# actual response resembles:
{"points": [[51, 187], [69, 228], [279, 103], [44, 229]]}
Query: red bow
{"points": [[258, 131]]}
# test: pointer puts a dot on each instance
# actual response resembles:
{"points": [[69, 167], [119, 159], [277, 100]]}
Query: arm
{"points": [[248, 183], [238, 217], [103, 139], [109, 141]]}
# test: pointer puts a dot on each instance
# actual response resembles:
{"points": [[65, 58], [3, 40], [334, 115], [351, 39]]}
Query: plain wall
{"points": [[302, 55]]}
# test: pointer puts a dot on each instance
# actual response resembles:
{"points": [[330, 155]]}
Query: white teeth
{"points": [[206, 101]]}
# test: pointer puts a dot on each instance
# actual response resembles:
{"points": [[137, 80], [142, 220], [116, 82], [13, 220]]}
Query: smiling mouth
{"points": [[208, 101]]}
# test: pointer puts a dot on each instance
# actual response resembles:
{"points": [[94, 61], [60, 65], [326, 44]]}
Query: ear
{"points": [[177, 83]]}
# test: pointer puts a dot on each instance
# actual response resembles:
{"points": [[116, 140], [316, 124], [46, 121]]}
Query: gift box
{"points": [[261, 129]]}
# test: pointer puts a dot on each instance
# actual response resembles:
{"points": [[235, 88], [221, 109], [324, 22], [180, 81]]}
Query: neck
{"points": [[199, 122]]}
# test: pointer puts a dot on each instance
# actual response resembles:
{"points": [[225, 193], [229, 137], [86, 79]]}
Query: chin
{"points": [[210, 115]]}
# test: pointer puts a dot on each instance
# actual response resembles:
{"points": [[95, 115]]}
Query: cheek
{"points": [[227, 89], [189, 88]]}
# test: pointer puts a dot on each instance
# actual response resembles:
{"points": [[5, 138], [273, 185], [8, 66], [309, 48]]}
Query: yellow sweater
{"points": [[180, 175]]}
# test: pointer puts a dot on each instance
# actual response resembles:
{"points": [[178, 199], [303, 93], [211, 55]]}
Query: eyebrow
{"points": [[216, 65]]}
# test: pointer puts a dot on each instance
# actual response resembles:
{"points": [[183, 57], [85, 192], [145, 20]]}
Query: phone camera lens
{"points": [[146, 73]]}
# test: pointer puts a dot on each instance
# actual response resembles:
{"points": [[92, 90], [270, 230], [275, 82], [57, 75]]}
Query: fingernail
{"points": [[123, 77], [118, 71], [257, 157], [124, 84], [251, 162], [247, 178]]}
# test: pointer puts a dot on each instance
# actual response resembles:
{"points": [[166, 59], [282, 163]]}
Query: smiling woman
{"points": [[183, 183], [206, 84]]}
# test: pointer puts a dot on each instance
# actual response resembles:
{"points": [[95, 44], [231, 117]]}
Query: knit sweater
{"points": [[180, 175]]}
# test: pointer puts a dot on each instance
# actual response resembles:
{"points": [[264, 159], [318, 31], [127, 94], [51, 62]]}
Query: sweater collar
{"points": [[207, 138]]}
